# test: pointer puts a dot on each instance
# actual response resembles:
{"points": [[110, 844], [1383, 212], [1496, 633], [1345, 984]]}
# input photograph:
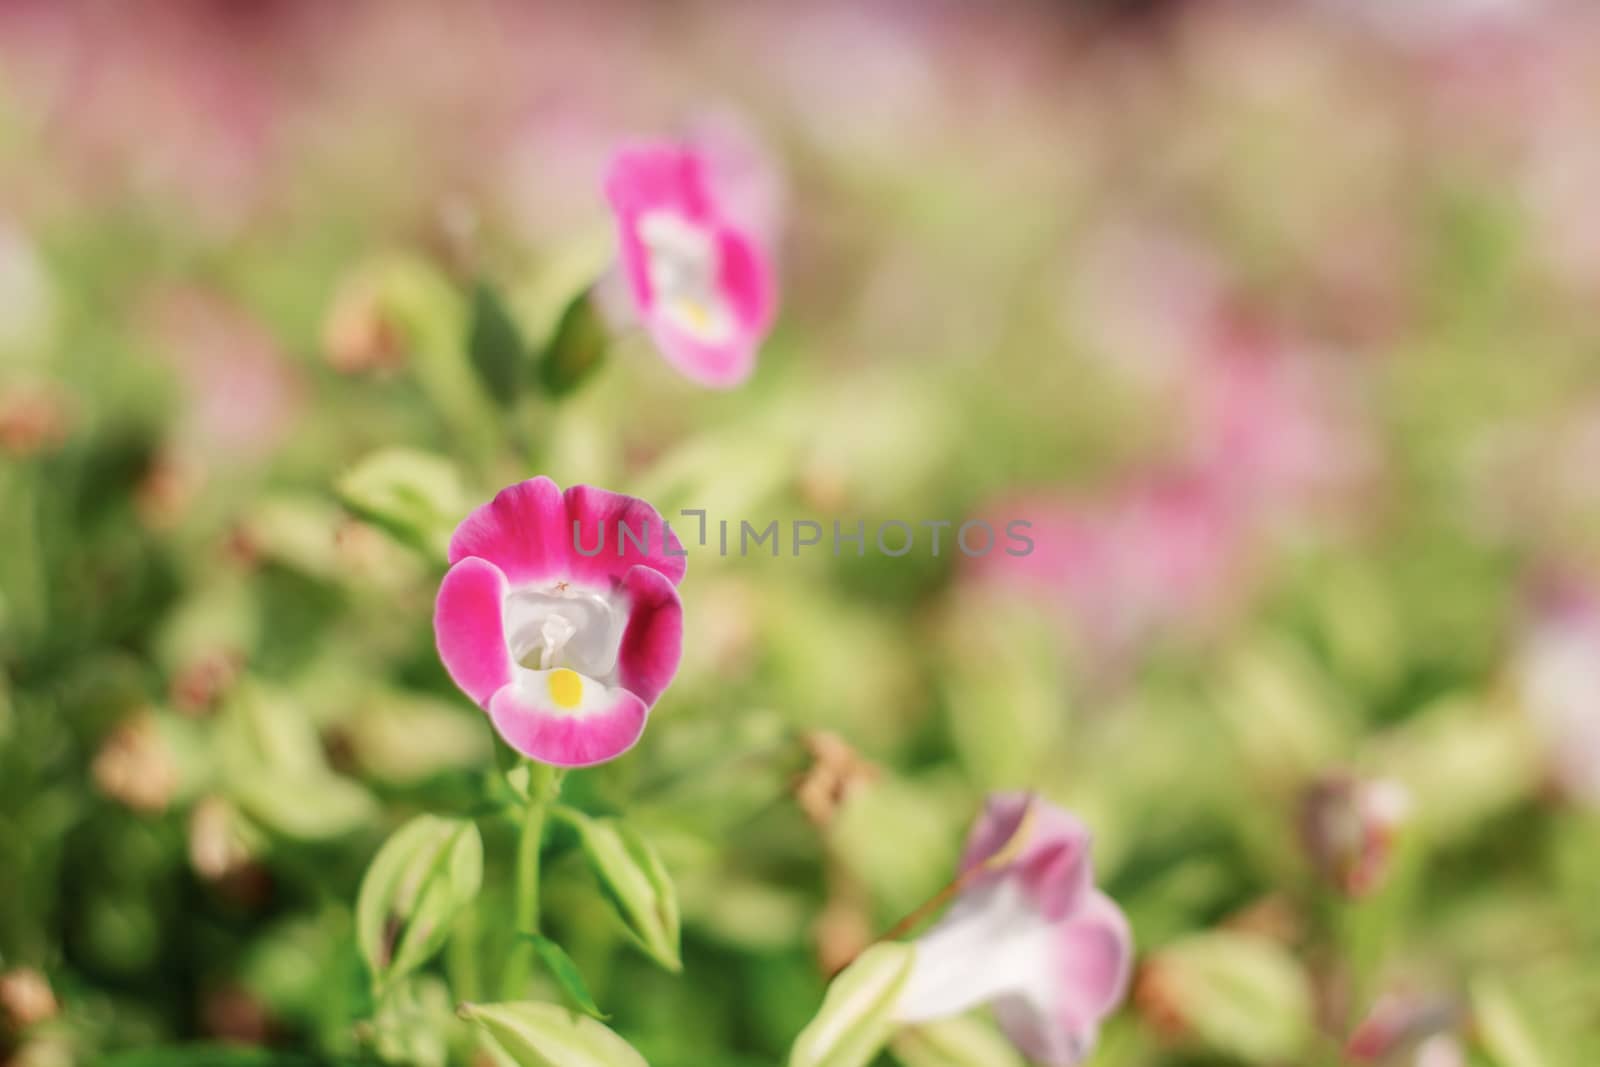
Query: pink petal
{"points": [[519, 531], [1096, 960], [561, 738], [745, 278], [652, 644], [1049, 827], [468, 631], [528, 531], [746, 281], [718, 366], [596, 510], [655, 177]]}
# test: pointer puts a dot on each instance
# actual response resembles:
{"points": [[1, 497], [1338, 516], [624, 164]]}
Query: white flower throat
{"points": [[564, 626], [684, 269]]}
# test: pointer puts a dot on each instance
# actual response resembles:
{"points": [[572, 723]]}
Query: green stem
{"points": [[544, 783]]}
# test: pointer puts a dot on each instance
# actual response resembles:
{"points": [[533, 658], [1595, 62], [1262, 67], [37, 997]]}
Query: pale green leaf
{"points": [[857, 1015]]}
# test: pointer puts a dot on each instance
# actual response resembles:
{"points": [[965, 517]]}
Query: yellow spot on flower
{"points": [[566, 687], [697, 314]]}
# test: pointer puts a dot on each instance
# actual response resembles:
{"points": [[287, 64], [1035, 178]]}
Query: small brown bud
{"points": [[200, 684], [358, 336], [135, 767], [33, 419], [835, 773], [25, 999]]}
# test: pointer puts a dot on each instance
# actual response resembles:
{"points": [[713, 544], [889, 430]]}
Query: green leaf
{"points": [[212, 1056], [274, 767], [1502, 1027], [965, 1041], [633, 877], [418, 882], [565, 972], [310, 807], [576, 347], [495, 345], [548, 1035], [857, 1015], [1240, 994], [415, 495]]}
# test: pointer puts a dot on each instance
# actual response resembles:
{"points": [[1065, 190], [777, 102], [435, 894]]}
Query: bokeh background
{"points": [[1276, 320]]}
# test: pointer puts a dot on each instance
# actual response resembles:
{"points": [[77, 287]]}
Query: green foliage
{"points": [[560, 967], [495, 346], [415, 495], [636, 882], [576, 348], [856, 1018], [547, 1035], [425, 874]]}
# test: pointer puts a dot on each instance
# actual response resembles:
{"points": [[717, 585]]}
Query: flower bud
{"points": [[25, 999], [136, 767], [1349, 827]]}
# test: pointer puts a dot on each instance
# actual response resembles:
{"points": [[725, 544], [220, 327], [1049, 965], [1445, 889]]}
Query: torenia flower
{"points": [[700, 276], [1029, 935], [560, 616]]}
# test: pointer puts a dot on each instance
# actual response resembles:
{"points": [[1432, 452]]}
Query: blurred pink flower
{"points": [[241, 394], [1029, 935], [1559, 681], [701, 277], [566, 648], [1163, 554], [1273, 424]]}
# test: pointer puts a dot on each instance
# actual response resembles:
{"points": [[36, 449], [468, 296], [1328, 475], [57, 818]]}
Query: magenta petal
{"points": [[659, 176], [652, 644], [468, 630], [646, 178], [561, 738], [721, 365], [746, 281], [610, 533], [528, 531], [520, 531]]}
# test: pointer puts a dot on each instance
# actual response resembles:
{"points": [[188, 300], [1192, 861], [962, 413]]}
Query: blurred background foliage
{"points": [[1277, 321]]}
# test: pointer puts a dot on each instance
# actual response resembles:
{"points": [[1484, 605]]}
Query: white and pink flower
{"points": [[560, 617], [699, 272], [1029, 935]]}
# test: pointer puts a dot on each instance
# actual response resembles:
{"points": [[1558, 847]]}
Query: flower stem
{"points": [[544, 783]]}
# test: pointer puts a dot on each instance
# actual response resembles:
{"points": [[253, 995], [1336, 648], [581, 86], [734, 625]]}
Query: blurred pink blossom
{"points": [[1029, 934], [699, 268], [1559, 681], [240, 394]]}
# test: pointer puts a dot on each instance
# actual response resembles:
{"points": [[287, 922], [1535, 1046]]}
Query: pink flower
{"points": [[560, 616], [1029, 935], [1163, 554], [701, 278], [1559, 683]]}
